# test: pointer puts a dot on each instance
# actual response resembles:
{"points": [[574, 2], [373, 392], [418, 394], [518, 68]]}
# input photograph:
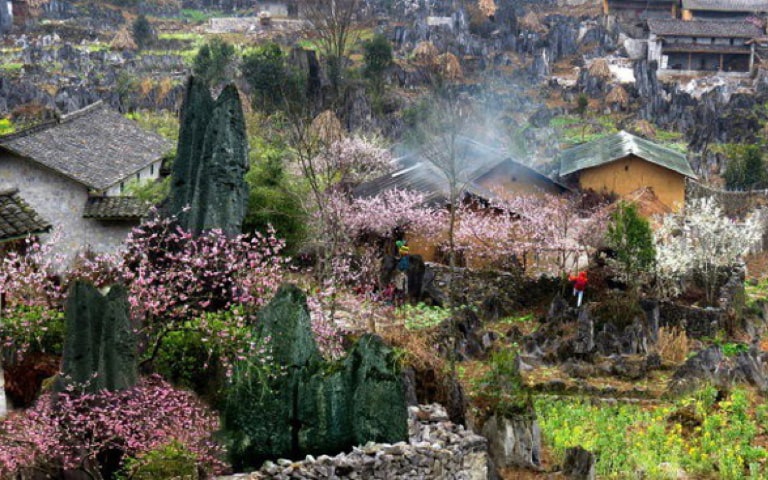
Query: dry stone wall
{"points": [[437, 448]]}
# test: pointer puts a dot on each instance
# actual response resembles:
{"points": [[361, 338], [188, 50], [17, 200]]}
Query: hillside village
{"points": [[439, 239]]}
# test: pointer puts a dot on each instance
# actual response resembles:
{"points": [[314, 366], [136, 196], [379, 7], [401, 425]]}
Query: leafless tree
{"points": [[335, 26]]}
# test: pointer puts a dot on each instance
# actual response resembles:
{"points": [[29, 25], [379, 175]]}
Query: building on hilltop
{"points": [[713, 46], [723, 10], [71, 171], [625, 164], [640, 9]]}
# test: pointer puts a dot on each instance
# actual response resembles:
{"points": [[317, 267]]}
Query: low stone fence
{"points": [[497, 293], [697, 322], [437, 448]]}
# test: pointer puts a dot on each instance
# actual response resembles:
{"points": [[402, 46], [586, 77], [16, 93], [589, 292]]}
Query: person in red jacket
{"points": [[579, 285]]}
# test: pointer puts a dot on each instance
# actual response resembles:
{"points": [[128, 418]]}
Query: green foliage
{"points": [[421, 316], [629, 235], [271, 201], [162, 123], [167, 462], [731, 349], [378, 57], [142, 32], [582, 102], [715, 440], [274, 84], [746, 169], [212, 62], [11, 67], [6, 126], [152, 191], [32, 328]]}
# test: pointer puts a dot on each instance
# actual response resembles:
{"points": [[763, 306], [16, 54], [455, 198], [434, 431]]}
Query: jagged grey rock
{"points": [[208, 188], [579, 464], [100, 345], [513, 440], [311, 406]]}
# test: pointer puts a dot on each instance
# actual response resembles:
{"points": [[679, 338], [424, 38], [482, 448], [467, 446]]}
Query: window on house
{"points": [[122, 187], [152, 169], [138, 175], [626, 168]]}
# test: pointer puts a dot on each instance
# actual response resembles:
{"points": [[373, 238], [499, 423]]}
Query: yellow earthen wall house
{"points": [[623, 163], [632, 173]]}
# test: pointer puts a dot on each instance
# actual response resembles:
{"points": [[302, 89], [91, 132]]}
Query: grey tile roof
{"points": [[727, 5], [417, 173], [115, 208], [702, 28], [17, 219], [95, 146], [617, 146]]}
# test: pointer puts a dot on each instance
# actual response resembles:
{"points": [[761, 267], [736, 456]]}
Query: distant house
{"points": [[486, 174], [71, 172], [641, 8], [713, 45], [624, 164], [728, 10]]}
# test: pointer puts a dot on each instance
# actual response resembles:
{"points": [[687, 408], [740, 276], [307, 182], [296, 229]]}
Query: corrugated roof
{"points": [[417, 173], [727, 5], [617, 146], [702, 28], [17, 218], [115, 208], [95, 146]]}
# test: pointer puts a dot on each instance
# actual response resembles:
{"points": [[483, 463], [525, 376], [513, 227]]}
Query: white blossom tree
{"points": [[702, 241]]}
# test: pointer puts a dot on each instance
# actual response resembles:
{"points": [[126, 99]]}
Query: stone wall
{"points": [[697, 322], [437, 448], [496, 293]]}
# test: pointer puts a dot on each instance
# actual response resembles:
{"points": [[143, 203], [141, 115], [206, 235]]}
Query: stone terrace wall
{"points": [[497, 293], [437, 449]]}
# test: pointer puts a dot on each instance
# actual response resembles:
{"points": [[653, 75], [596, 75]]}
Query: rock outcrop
{"points": [[298, 404], [99, 346], [208, 189]]}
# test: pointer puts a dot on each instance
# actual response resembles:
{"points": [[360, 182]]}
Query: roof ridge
{"points": [[8, 191], [82, 112], [45, 125]]}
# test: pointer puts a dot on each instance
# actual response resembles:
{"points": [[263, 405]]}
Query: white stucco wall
{"points": [[61, 202], [151, 172]]}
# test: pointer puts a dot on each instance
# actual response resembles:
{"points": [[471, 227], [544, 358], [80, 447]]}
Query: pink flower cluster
{"points": [[70, 430], [174, 275]]}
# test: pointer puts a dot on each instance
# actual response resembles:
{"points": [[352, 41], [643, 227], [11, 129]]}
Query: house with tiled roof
{"points": [[485, 173], [727, 10], [641, 9], [703, 45], [72, 171], [623, 164]]}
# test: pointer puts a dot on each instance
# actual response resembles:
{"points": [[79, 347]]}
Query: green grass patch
{"points": [[11, 66], [695, 434], [421, 316]]}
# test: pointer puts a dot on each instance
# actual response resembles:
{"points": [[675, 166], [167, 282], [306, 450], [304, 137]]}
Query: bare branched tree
{"points": [[335, 26]]}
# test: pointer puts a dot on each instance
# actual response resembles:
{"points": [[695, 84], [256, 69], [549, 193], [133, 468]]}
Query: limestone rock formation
{"points": [[208, 189], [100, 346], [311, 406]]}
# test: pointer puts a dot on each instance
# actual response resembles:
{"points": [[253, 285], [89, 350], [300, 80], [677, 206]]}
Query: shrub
{"points": [[167, 462], [142, 32], [631, 238], [213, 60], [746, 170], [378, 57], [96, 432], [672, 344], [274, 84]]}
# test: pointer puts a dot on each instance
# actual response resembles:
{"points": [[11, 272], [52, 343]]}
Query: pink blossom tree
{"points": [[174, 277], [75, 431]]}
